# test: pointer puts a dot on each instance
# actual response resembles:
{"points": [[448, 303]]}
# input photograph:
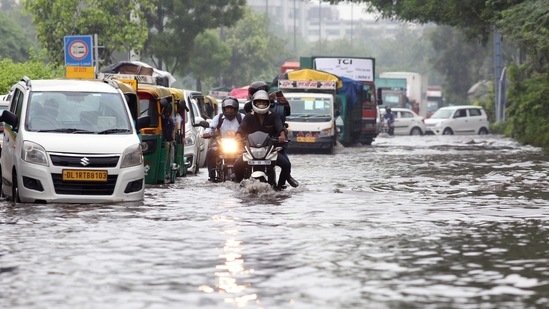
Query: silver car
{"points": [[407, 122]]}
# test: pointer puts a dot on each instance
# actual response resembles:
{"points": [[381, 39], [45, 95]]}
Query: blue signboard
{"points": [[78, 50]]}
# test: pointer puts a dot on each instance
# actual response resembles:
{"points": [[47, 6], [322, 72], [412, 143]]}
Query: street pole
{"points": [[295, 44], [497, 74]]}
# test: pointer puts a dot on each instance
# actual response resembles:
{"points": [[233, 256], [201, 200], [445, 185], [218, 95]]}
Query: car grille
{"points": [[84, 187], [76, 161]]}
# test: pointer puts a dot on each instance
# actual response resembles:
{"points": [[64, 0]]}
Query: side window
{"points": [[17, 104], [474, 112], [407, 115], [461, 113]]}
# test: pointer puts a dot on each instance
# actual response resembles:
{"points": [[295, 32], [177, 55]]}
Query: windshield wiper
{"points": [[68, 130], [111, 131]]}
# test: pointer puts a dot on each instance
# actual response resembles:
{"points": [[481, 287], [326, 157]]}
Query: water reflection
{"points": [[231, 273]]}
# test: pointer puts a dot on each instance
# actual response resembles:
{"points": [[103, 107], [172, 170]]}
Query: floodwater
{"points": [[409, 222]]}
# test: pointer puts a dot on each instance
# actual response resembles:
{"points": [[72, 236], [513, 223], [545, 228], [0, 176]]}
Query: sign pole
{"points": [[96, 53]]}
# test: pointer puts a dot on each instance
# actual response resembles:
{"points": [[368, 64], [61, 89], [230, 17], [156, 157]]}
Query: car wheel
{"points": [[416, 131], [448, 131], [196, 164], [483, 131], [1, 185], [15, 189]]}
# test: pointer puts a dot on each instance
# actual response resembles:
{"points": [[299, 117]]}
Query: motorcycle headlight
{"points": [[229, 145], [259, 152], [132, 156], [34, 153]]}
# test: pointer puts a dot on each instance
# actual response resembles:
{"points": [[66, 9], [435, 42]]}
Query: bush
{"points": [[11, 72]]}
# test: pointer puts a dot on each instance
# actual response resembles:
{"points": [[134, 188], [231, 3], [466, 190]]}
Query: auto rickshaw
{"points": [[159, 139], [180, 107]]}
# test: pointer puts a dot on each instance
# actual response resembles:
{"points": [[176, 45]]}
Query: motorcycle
{"points": [[227, 148], [388, 127], [260, 155]]}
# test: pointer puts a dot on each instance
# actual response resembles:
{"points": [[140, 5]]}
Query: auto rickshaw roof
{"points": [[154, 90], [177, 93]]}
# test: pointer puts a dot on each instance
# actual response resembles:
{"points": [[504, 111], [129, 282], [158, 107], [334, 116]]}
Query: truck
{"points": [[312, 98], [416, 87], [435, 100], [361, 69], [394, 93]]}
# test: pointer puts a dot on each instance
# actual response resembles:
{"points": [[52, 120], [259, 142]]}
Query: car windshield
{"points": [[443, 113], [77, 112], [307, 108]]}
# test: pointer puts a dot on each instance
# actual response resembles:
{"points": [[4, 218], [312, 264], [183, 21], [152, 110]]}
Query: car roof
{"points": [[72, 85], [460, 106]]}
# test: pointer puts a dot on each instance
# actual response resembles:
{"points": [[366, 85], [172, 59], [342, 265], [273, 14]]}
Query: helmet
{"points": [[229, 102], [388, 109], [261, 96], [255, 86]]}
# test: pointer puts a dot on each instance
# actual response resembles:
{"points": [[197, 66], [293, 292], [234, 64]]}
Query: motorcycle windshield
{"points": [[258, 139]]}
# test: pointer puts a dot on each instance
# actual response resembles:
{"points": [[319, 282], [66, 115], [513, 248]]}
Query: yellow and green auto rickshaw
{"points": [[180, 108], [159, 138]]}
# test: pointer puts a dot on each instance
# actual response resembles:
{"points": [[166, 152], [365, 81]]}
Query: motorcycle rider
{"points": [[278, 105], [228, 121], [389, 117], [262, 119]]}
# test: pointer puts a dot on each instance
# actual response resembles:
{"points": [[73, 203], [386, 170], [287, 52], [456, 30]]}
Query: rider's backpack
{"points": [[238, 117]]}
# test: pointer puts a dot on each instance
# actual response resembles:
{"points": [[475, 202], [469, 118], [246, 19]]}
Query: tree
{"points": [[257, 54], [462, 62], [210, 57], [173, 26], [475, 17], [120, 23], [15, 33]]}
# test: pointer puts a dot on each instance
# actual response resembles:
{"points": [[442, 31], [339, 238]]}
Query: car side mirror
{"points": [[9, 118], [379, 96]]}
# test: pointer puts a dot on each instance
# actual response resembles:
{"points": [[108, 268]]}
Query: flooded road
{"points": [[409, 222]]}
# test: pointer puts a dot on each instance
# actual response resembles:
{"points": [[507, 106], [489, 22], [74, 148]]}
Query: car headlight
{"points": [[132, 156], [34, 153], [189, 138]]}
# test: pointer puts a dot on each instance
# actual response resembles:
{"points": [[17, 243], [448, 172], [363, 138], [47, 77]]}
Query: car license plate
{"points": [[84, 175], [306, 139], [259, 162]]}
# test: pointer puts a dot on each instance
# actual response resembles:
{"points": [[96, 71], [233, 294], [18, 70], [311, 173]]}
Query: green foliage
{"points": [[210, 57], [11, 72], [119, 24], [16, 33], [529, 110], [532, 32], [256, 53], [173, 26], [462, 62]]}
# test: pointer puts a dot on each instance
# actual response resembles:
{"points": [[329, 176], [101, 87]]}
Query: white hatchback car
{"points": [[407, 122], [462, 119], [195, 145], [51, 154]]}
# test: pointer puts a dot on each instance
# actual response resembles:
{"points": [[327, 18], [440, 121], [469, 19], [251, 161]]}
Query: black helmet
{"points": [[255, 86], [229, 102], [387, 109]]}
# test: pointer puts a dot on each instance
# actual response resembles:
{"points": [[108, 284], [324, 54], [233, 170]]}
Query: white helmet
{"points": [[261, 96]]}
